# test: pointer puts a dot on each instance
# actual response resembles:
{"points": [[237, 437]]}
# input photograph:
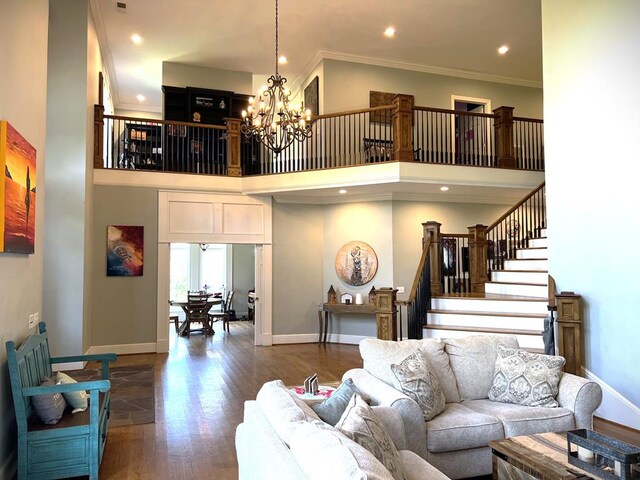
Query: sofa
{"points": [[282, 438], [456, 440]]}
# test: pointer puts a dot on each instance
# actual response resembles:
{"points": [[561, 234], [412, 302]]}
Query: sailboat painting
{"points": [[17, 191]]}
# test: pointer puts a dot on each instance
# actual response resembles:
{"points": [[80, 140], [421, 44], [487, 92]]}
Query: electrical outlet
{"points": [[36, 318], [400, 289], [32, 322]]}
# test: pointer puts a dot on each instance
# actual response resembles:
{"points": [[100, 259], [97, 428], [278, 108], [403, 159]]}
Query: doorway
{"points": [[471, 131]]}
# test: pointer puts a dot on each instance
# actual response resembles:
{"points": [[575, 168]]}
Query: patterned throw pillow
{"points": [[526, 378], [360, 424], [419, 382], [77, 400], [49, 406]]}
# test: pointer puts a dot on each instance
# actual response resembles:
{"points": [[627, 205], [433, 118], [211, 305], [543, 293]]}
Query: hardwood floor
{"points": [[201, 386]]}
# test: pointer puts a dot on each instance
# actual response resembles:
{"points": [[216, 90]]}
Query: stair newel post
{"points": [[570, 330], [233, 147], [98, 129], [431, 231], [403, 128], [478, 257], [503, 125], [386, 314]]}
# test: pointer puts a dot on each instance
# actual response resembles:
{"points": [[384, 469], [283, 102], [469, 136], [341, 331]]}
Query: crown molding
{"points": [[136, 107], [450, 72], [107, 58]]}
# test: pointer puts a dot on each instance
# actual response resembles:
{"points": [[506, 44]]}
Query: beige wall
{"points": [[183, 75], [23, 102], [139, 114], [124, 308], [346, 86], [243, 269]]}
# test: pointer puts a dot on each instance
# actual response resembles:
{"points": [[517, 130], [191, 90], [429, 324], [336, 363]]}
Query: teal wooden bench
{"points": [[72, 447]]}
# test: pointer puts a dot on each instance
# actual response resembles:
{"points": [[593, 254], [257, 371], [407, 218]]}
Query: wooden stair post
{"points": [[403, 128], [569, 331], [503, 126], [431, 231], [98, 129], [386, 314], [234, 168], [478, 257]]}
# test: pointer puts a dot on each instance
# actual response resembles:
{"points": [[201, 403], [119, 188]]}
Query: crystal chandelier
{"points": [[269, 116]]}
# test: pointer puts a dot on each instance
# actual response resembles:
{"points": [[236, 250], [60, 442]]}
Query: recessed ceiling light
{"points": [[342, 192], [503, 49], [444, 188], [140, 97], [390, 32], [282, 60], [137, 39]]}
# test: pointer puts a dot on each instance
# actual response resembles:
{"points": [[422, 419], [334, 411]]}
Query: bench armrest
{"points": [[382, 394], [101, 385], [105, 358], [581, 396]]}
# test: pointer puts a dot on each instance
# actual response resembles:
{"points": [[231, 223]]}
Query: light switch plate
{"points": [[400, 289], [32, 322]]}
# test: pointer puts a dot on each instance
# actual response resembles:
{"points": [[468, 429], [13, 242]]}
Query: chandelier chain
{"points": [[277, 37]]}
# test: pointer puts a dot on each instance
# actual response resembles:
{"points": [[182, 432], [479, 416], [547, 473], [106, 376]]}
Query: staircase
{"points": [[515, 302]]}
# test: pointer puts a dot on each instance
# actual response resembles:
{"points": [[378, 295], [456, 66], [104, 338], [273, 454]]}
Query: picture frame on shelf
{"points": [[346, 298]]}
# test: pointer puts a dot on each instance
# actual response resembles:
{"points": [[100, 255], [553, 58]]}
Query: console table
{"points": [[383, 309]]}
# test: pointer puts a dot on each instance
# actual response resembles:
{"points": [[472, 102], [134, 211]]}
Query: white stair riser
{"points": [[525, 341], [538, 242], [520, 277], [526, 265], [517, 289], [486, 321], [498, 306], [531, 253], [543, 232]]}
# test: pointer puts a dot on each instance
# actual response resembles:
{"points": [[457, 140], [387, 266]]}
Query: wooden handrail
{"points": [[456, 112], [416, 279], [351, 112], [525, 119], [515, 207], [165, 122]]}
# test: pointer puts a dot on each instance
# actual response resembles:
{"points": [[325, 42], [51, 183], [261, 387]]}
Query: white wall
{"points": [[243, 269], [23, 102], [138, 114], [183, 75], [346, 86], [591, 72]]}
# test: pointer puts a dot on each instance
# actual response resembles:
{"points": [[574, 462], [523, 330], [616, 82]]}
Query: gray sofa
{"points": [[282, 438], [456, 440]]}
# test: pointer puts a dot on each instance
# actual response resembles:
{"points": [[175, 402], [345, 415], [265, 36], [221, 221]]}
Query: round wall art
{"points": [[356, 263]]}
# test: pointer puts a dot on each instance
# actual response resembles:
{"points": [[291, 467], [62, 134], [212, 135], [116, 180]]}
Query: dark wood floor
{"points": [[201, 386]]}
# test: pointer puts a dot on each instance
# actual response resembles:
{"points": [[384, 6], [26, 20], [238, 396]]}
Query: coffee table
{"points": [[541, 456]]}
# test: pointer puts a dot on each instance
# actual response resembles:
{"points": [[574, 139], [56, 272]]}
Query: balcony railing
{"points": [[398, 132]]}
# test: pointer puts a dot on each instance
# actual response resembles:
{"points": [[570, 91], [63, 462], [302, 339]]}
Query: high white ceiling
{"points": [[460, 35]]}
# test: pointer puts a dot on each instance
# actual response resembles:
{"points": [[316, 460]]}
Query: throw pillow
{"points": [[49, 406], [360, 424], [331, 409], [418, 381], [77, 400], [526, 378]]}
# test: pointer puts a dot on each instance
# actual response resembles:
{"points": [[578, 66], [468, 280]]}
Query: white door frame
{"points": [[480, 101]]}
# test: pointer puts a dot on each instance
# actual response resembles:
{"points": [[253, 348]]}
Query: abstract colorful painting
{"points": [[17, 192], [125, 245]]}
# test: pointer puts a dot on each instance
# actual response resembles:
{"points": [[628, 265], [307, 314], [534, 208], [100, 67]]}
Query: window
{"points": [[179, 271], [213, 268]]}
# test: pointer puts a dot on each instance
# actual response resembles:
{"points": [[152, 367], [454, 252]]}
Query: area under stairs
{"points": [[515, 302]]}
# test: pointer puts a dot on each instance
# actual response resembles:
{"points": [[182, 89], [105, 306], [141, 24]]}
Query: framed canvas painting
{"points": [[17, 192], [125, 245], [356, 263], [311, 96]]}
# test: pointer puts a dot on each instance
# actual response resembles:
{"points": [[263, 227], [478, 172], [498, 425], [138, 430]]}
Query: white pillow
{"points": [[77, 400]]}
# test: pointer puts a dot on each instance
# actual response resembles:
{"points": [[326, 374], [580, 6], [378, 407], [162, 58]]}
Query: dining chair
{"points": [[224, 314], [198, 312]]}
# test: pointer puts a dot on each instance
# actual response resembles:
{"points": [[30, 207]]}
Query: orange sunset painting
{"points": [[17, 191]]}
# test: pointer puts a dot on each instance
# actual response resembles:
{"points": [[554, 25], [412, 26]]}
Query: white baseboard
{"points": [[266, 339], [10, 465], [615, 407], [162, 346], [61, 367], [346, 339], [125, 349], [295, 338]]}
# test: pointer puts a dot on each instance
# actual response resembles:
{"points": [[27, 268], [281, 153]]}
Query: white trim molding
{"points": [[295, 338], [61, 367], [615, 407], [124, 349]]}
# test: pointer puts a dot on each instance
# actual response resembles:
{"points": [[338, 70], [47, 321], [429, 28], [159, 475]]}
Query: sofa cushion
{"points": [[322, 452], [418, 381], [283, 409], [459, 428], [522, 420], [473, 360], [331, 409], [526, 378], [378, 355], [360, 424]]}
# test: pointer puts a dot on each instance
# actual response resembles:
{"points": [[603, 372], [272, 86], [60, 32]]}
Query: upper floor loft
{"points": [[395, 151]]}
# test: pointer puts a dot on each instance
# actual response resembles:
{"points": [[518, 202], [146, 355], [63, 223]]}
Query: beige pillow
{"points": [[360, 424], [418, 381], [526, 378]]}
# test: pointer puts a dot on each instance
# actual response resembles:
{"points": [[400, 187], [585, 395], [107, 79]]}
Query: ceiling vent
{"points": [[122, 7]]}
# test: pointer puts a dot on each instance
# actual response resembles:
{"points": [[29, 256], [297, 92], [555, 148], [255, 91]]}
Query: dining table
{"points": [[184, 304]]}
